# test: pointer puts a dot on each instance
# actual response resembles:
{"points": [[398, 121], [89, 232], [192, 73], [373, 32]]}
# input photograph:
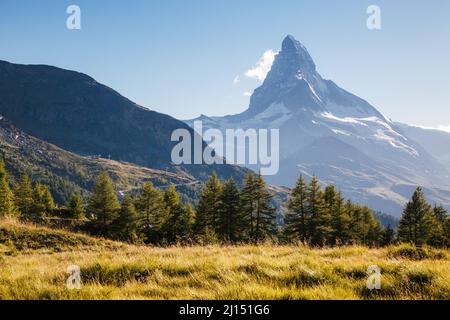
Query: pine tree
{"points": [[152, 212], [43, 203], [24, 197], [209, 205], [357, 227], [319, 227], [417, 221], [372, 227], [184, 224], [440, 213], [247, 206], [264, 214], [438, 236], [339, 217], [6, 196], [75, 207], [297, 219], [174, 210], [364, 227], [125, 225], [103, 204], [447, 231], [229, 218], [387, 236]]}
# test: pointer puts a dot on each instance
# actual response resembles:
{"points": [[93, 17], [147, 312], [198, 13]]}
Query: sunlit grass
{"points": [[112, 270]]}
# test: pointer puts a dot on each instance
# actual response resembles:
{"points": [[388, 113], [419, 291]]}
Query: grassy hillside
{"points": [[65, 172], [34, 260]]}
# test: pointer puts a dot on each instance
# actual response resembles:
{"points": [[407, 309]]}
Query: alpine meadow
{"points": [[252, 180]]}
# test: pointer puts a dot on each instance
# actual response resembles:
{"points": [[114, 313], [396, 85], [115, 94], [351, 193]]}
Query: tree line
{"points": [[228, 213]]}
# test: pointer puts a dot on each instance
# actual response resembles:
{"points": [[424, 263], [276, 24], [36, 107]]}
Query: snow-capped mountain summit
{"points": [[294, 81], [327, 131]]}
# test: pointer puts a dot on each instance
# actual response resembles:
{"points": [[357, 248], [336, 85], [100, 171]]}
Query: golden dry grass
{"points": [[112, 270]]}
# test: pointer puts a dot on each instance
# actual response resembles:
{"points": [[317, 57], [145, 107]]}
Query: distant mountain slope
{"points": [[386, 220], [327, 131], [435, 142], [66, 172], [73, 111]]}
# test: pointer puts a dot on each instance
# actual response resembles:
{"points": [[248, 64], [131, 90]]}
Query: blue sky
{"points": [[181, 57]]}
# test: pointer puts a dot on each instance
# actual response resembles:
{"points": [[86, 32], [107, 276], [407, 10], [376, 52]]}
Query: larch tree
{"points": [[43, 203], [264, 212], [247, 206], [416, 224], [7, 207], [103, 203], [230, 223], [125, 225], [174, 210], [75, 207], [208, 205], [297, 219], [23, 197], [184, 224], [339, 217], [319, 227], [152, 212]]}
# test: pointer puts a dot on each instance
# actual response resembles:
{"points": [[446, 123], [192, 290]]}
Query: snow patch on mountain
{"points": [[351, 120]]}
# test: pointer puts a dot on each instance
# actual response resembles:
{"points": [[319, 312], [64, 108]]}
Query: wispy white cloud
{"points": [[262, 67], [247, 93]]}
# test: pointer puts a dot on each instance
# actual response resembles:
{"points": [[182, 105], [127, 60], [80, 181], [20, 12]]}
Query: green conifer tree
{"points": [[152, 212], [184, 225], [447, 231], [247, 206], [126, 224], [174, 209], [103, 203], [75, 207], [387, 236], [229, 218], [209, 205], [417, 221], [23, 197], [43, 204], [440, 213], [319, 223], [372, 227], [7, 207], [339, 217], [264, 212], [297, 219]]}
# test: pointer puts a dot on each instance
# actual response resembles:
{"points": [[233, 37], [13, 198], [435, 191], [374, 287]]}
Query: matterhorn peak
{"points": [[291, 63], [290, 44], [297, 54]]}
